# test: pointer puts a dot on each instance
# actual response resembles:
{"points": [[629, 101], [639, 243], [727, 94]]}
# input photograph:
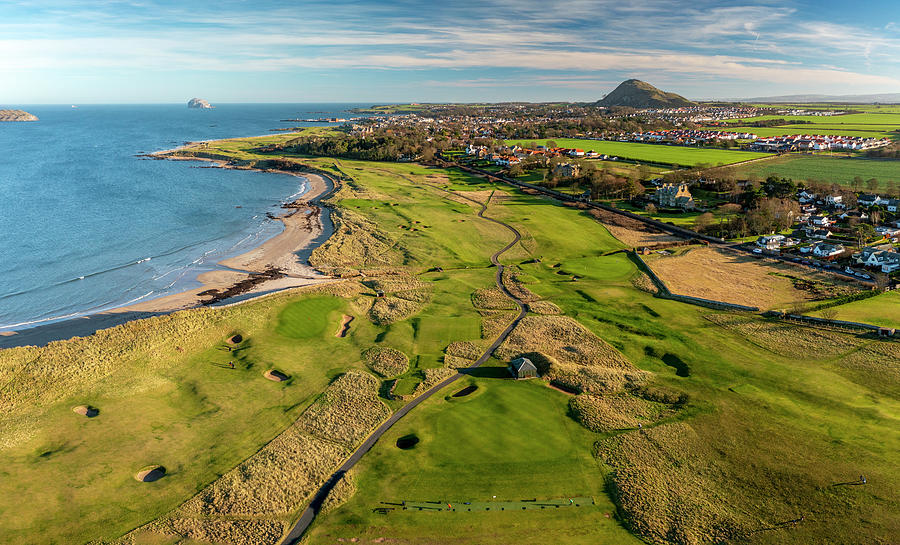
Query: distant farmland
{"points": [[841, 130], [838, 170], [878, 124], [653, 153]]}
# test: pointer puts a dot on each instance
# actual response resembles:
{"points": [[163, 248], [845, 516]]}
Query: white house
{"points": [[770, 242], [821, 221], [806, 197], [891, 263], [868, 199], [824, 249], [872, 256], [818, 233], [835, 201], [893, 205]]}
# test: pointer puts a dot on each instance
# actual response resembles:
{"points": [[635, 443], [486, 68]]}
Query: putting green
{"points": [[309, 318]]}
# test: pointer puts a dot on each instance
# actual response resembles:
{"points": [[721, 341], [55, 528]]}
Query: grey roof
{"points": [[522, 363]]}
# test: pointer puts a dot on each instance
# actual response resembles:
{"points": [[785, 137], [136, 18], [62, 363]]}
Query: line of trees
{"points": [[383, 146]]}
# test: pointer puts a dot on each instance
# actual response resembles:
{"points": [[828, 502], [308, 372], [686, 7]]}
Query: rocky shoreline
{"points": [[17, 115]]}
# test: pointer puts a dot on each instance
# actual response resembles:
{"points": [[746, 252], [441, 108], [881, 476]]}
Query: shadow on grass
{"points": [[487, 372]]}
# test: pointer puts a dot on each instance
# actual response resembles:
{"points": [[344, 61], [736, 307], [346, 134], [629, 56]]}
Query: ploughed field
{"points": [[684, 425]]}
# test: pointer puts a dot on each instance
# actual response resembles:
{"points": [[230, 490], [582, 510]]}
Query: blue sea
{"points": [[87, 226]]}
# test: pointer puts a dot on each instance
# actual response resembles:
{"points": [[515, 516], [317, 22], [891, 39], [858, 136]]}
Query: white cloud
{"points": [[760, 44]]}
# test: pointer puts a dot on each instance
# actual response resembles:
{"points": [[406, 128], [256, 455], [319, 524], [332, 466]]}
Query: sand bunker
{"points": [[86, 410], [344, 328], [275, 375], [150, 474], [235, 339]]}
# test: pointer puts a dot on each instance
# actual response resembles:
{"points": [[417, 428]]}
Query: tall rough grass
{"points": [[387, 362], [667, 489], [343, 490], [348, 410], [613, 412], [356, 243], [491, 299], [250, 504], [581, 360], [787, 339], [432, 377], [493, 322]]}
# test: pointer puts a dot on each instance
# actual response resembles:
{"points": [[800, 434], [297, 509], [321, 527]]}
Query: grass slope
{"points": [[508, 440], [883, 310]]}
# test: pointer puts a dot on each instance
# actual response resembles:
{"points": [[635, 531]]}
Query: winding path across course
{"points": [[309, 514]]}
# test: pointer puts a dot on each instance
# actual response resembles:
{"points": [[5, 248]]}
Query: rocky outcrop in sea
{"points": [[199, 103], [16, 115]]}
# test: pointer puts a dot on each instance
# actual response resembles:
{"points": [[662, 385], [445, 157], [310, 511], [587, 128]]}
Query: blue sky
{"points": [[109, 51]]}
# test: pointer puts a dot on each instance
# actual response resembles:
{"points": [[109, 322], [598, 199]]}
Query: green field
{"points": [[837, 170], [882, 310], [506, 441], [878, 123], [869, 108], [772, 422], [655, 153], [863, 131], [868, 118]]}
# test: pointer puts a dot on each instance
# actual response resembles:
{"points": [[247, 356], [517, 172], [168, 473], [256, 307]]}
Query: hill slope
{"points": [[635, 93]]}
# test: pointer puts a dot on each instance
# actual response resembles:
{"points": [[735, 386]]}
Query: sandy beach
{"points": [[306, 226]]}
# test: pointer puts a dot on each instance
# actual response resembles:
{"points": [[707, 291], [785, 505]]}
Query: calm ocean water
{"points": [[87, 226]]}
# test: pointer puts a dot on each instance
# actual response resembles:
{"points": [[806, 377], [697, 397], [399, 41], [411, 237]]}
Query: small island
{"points": [[16, 115], [200, 104]]}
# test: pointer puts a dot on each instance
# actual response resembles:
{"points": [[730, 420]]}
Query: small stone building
{"points": [[522, 368]]}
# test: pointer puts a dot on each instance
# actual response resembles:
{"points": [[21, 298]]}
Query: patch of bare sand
{"points": [[150, 474], [275, 375], [344, 327]]}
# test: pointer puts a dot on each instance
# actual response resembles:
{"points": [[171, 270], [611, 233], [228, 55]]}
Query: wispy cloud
{"points": [[553, 44]]}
